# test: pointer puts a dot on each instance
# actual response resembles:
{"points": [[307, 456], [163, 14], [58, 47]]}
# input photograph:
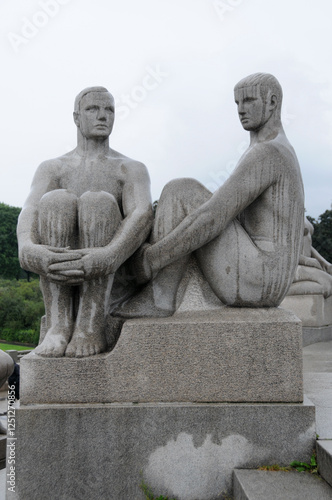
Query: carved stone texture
{"points": [[227, 355], [87, 212], [247, 236], [313, 274]]}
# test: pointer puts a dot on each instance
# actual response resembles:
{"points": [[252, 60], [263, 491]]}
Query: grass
{"points": [[149, 495], [15, 347], [295, 465]]}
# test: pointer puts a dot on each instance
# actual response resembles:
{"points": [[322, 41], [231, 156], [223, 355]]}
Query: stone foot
{"points": [[142, 305], [54, 344], [85, 344]]}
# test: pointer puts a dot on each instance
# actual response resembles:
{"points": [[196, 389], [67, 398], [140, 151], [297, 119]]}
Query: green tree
{"points": [[21, 308], [322, 237], [9, 263]]}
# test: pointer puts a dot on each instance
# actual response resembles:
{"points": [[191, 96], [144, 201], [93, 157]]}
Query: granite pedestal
{"points": [[226, 355], [313, 310], [179, 403]]}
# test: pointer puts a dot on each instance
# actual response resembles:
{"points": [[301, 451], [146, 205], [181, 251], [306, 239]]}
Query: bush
{"points": [[21, 308]]}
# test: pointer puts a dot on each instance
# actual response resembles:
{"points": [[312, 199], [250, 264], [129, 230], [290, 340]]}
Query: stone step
{"points": [[324, 459], [279, 485]]}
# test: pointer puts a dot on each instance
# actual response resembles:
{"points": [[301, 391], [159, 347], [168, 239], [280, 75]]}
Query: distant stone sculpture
{"points": [[87, 212], [313, 274], [247, 236], [7, 367]]}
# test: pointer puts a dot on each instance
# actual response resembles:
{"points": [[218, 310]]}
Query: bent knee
{"points": [[58, 198], [99, 204], [190, 191], [184, 184], [93, 197]]}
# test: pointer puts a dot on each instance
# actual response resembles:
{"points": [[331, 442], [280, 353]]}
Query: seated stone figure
{"points": [[87, 212], [246, 236], [313, 274]]}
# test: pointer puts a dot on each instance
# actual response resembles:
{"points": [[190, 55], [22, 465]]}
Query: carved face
{"points": [[96, 116], [252, 109]]}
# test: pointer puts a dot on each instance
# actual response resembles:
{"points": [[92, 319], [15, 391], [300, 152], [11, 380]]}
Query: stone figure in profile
{"points": [[247, 235], [313, 274], [87, 213]]}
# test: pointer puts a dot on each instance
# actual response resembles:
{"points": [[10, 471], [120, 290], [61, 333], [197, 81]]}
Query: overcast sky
{"points": [[172, 66]]}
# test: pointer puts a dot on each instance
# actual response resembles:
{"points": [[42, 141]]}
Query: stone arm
{"points": [[138, 217], [309, 262], [251, 178], [34, 256], [325, 265], [132, 232]]}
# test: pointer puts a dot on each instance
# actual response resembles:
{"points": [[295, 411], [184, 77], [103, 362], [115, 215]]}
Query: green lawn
{"points": [[6, 347]]}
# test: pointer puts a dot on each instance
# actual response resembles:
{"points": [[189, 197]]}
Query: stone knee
{"points": [[186, 189], [57, 218], [98, 218], [178, 198]]}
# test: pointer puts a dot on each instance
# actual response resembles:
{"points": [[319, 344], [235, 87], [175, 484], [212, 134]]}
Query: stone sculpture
{"points": [[313, 274], [87, 212], [247, 236]]}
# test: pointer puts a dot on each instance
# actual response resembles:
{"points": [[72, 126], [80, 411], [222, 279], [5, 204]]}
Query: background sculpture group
{"points": [[89, 216]]}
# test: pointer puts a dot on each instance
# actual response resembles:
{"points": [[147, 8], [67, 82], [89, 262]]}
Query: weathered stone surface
{"points": [[278, 485], [314, 334], [247, 235], [313, 310], [184, 450], [227, 355], [87, 212], [6, 367], [313, 274], [324, 459], [317, 363]]}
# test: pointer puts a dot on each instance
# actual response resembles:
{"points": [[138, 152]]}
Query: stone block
{"points": [[278, 485], [314, 334], [226, 355], [324, 459], [186, 451], [313, 310]]}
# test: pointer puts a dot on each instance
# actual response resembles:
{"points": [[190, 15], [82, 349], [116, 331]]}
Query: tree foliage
{"points": [[9, 263], [21, 308], [322, 237]]}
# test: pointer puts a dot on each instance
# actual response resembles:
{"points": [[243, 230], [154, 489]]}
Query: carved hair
{"points": [[266, 83], [85, 92]]}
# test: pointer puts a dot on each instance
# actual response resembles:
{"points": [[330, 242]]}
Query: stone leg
{"points": [[310, 280], [98, 219], [179, 198], [57, 214], [240, 272]]}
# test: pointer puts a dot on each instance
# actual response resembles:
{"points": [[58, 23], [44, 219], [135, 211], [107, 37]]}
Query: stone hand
{"points": [[328, 269], [141, 264], [39, 258], [309, 261], [92, 263]]}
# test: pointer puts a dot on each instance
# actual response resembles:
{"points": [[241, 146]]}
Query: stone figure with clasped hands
{"points": [[87, 213], [247, 235]]}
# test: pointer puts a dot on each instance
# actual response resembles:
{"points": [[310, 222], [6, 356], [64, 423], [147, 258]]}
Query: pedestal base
{"points": [[226, 355], [313, 310], [187, 451]]}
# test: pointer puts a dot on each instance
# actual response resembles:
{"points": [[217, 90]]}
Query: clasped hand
{"points": [[73, 267]]}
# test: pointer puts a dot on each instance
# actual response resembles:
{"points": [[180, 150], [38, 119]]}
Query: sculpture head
{"points": [[94, 112], [258, 97]]}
